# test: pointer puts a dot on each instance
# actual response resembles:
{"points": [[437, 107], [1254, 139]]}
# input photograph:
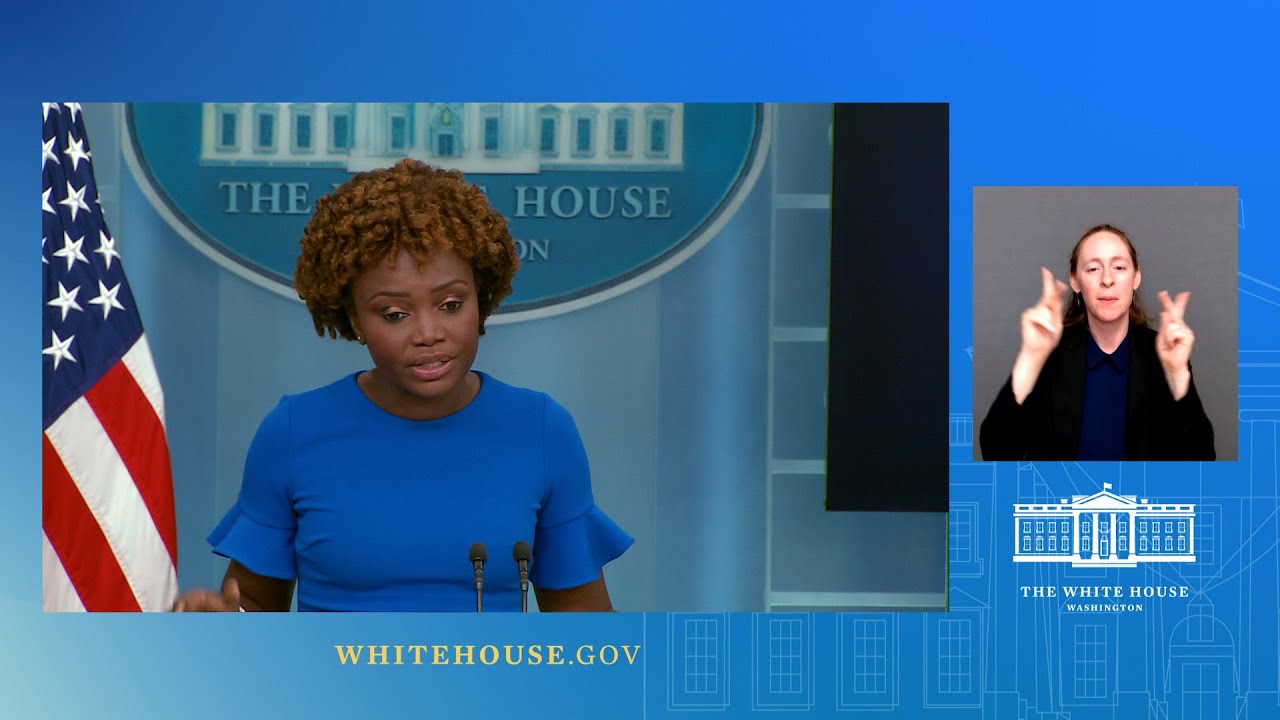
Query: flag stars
{"points": [[45, 108], [60, 349], [66, 300], [75, 200], [43, 259], [107, 299], [47, 153], [71, 250], [75, 152], [44, 202], [106, 248], [72, 108]]}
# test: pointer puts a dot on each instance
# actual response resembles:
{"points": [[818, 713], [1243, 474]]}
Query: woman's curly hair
{"points": [[410, 206]]}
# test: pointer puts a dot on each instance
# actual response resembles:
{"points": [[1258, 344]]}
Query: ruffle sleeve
{"points": [[572, 553], [574, 539], [258, 531], [262, 549]]}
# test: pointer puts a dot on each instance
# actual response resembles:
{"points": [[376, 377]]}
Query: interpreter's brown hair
{"points": [[1075, 309], [410, 206]]}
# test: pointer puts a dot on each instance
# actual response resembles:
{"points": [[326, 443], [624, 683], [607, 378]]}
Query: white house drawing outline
{"points": [[484, 138], [1104, 530]]}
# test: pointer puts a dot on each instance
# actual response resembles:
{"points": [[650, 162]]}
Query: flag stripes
{"points": [[131, 423], [59, 591], [84, 450], [80, 547], [110, 538]]}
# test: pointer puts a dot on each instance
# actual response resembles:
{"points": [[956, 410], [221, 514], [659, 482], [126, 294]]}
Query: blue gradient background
{"points": [[1144, 93]]}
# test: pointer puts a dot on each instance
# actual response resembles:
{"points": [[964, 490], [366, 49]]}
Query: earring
{"points": [[360, 339]]}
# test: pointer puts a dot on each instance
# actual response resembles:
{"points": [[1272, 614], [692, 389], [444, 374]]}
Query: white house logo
{"points": [[601, 197], [1104, 530]]}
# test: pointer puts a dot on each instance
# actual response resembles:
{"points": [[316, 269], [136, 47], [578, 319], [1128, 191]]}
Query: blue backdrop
{"points": [[1108, 95]]}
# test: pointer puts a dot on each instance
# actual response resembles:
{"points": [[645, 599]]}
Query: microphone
{"points": [[478, 557], [522, 554]]}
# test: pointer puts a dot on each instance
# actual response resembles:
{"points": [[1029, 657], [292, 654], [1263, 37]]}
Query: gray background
{"points": [[1186, 238]]}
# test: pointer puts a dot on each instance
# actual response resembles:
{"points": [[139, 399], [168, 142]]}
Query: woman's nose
{"points": [[427, 329]]}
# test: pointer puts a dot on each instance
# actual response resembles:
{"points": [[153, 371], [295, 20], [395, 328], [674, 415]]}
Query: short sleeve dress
{"points": [[370, 511]]}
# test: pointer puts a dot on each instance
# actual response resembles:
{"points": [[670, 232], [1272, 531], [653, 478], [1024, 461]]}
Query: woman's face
{"points": [[422, 327], [1105, 277]]}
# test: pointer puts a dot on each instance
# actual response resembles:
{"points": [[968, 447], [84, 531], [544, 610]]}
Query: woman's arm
{"points": [[1005, 432], [1041, 326], [592, 597], [258, 592], [1194, 431], [241, 589]]}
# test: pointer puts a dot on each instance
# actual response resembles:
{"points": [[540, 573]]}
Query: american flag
{"points": [[110, 541]]}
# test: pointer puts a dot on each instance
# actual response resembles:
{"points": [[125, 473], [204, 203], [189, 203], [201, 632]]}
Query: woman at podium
{"points": [[367, 493]]}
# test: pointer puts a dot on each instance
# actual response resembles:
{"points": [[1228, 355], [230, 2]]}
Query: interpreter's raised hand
{"points": [[1042, 322], [202, 600], [1041, 331], [1174, 342]]}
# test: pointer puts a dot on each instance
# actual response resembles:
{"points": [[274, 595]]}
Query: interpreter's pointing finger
{"points": [[1047, 293]]}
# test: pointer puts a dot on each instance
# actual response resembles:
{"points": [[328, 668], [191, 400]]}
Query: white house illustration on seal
{"points": [[486, 138], [1104, 529]]}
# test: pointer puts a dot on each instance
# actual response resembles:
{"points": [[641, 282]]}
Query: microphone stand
{"points": [[524, 586], [522, 553], [478, 557]]}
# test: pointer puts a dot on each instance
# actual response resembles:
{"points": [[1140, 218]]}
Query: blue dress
{"points": [[370, 511]]}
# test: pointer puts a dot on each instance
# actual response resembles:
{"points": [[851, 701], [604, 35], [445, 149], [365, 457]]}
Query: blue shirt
{"points": [[1106, 396], [370, 511]]}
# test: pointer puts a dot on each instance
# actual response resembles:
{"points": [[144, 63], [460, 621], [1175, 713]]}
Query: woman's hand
{"points": [[209, 601], [1041, 331], [242, 589], [1174, 342], [1042, 322]]}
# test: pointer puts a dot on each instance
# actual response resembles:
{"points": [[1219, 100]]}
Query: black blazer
{"points": [[1046, 426]]}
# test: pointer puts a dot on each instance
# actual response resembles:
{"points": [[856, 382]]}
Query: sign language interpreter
{"points": [[1092, 381]]}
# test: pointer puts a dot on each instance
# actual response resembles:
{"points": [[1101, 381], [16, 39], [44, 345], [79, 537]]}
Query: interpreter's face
{"points": [[1105, 277], [422, 327]]}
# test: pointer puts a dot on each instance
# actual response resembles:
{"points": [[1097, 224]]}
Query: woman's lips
{"points": [[431, 369]]}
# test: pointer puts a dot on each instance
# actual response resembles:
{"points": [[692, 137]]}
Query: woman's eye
{"points": [[395, 316], [1092, 270], [452, 306]]}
